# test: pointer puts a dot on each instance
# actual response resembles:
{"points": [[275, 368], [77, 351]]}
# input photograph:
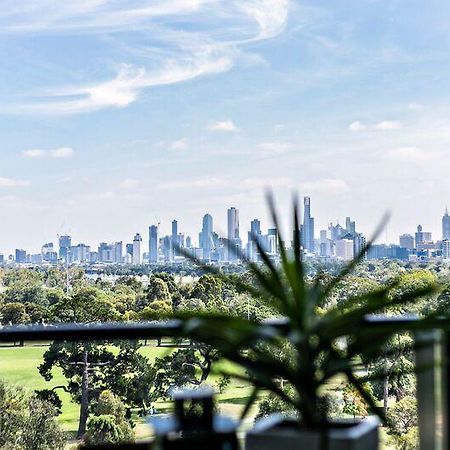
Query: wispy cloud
{"points": [[357, 126], [37, 153], [12, 183], [411, 155], [273, 148], [180, 144], [174, 54], [385, 125], [223, 125]]}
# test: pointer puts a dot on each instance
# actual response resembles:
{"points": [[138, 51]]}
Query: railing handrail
{"points": [[137, 330]]}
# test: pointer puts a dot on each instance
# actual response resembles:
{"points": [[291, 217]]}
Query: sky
{"points": [[115, 115]]}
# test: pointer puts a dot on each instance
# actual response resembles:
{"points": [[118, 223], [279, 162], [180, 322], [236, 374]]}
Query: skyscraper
{"points": [[254, 235], [406, 241], [118, 252], [446, 225], [137, 249], [206, 236], [174, 239], [153, 244], [308, 226], [65, 242], [234, 242]]}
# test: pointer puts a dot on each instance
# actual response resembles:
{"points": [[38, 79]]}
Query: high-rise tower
{"points": [[446, 225], [206, 236], [234, 241], [153, 244], [137, 249], [308, 226]]}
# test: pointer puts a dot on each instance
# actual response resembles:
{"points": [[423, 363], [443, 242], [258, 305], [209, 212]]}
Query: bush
{"points": [[26, 422], [108, 423]]}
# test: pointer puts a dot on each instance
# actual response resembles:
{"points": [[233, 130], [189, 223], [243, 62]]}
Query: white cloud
{"points": [[180, 144], [325, 186], [129, 183], [10, 182], [34, 153], [273, 148], [357, 126], [62, 152], [387, 125], [177, 55], [59, 153], [270, 15], [224, 125], [410, 154]]}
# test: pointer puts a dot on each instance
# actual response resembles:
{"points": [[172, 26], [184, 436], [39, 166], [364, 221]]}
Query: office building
{"points": [[234, 243], [446, 225], [153, 244], [345, 249], [20, 256], [65, 242], [406, 241], [136, 257], [205, 237], [307, 232]]}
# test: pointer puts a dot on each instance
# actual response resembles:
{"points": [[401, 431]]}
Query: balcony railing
{"points": [[431, 356]]}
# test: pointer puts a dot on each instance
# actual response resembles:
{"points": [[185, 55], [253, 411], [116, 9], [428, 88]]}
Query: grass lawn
{"points": [[18, 365]]}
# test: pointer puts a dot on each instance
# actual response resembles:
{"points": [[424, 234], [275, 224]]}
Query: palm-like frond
{"points": [[313, 355]]}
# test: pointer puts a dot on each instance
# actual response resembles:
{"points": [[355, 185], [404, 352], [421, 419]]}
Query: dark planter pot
{"points": [[280, 433]]}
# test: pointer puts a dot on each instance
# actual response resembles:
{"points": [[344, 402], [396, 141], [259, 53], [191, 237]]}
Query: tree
{"points": [[87, 304], [403, 415], [209, 289], [83, 364], [14, 313], [109, 423], [354, 404], [25, 293], [26, 422], [184, 367], [91, 368], [157, 290]]}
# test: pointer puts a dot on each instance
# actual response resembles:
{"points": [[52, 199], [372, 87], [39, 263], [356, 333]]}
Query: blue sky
{"points": [[117, 114]]}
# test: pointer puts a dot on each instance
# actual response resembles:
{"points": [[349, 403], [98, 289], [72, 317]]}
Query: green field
{"points": [[18, 365]]}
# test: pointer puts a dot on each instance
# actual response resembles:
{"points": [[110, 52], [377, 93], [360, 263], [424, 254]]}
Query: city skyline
{"points": [[106, 110], [156, 233]]}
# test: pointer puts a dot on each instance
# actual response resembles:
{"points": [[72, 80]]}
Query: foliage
{"points": [[14, 313], [109, 423], [272, 404], [403, 416], [405, 441], [184, 367], [321, 343], [354, 403], [26, 422]]}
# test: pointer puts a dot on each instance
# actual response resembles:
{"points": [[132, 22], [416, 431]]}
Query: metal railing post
{"points": [[428, 389]]}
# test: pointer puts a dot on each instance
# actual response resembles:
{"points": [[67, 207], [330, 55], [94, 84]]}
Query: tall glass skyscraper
{"points": [[153, 244], [234, 241], [206, 236], [446, 225], [308, 226]]}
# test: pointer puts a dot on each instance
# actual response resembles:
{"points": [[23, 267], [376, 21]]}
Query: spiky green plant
{"points": [[309, 346]]}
